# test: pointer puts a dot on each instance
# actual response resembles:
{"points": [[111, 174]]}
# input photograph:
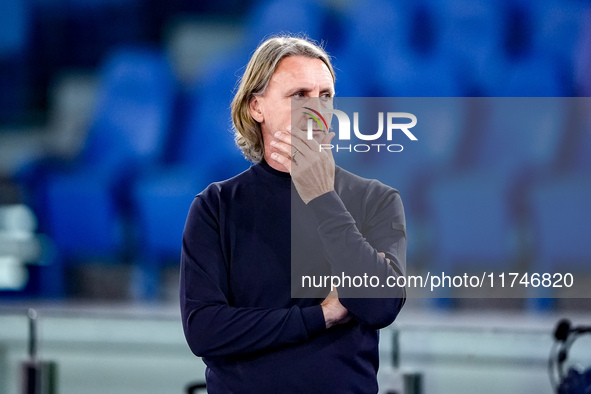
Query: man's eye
{"points": [[298, 95]]}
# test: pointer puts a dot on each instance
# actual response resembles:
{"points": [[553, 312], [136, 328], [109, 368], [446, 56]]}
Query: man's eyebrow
{"points": [[327, 90], [298, 89], [306, 90]]}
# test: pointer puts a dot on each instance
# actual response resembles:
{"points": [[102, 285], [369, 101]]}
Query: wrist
{"points": [[328, 320], [331, 316], [309, 198]]}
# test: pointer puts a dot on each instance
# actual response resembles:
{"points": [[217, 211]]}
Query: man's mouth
{"points": [[314, 130], [318, 133], [317, 130]]}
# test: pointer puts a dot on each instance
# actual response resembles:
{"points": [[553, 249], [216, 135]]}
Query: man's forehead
{"points": [[303, 70]]}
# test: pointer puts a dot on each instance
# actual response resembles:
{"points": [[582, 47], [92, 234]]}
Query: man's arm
{"points": [[212, 326], [353, 254], [348, 252]]}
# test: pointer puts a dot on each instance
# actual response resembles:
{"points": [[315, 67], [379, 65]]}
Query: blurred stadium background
{"points": [[115, 113]]}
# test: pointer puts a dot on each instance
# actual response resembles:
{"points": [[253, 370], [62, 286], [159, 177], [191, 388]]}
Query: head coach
{"points": [[237, 309]]}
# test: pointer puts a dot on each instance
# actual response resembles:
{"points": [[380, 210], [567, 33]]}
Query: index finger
{"points": [[301, 135]]}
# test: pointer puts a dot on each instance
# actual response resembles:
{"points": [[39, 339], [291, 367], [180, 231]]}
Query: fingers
{"points": [[288, 138], [300, 139], [334, 312], [282, 144], [296, 138], [286, 150], [382, 254], [285, 161], [288, 147]]}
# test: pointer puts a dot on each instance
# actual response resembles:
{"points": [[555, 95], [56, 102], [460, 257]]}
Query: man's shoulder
{"points": [[347, 182], [365, 198], [219, 189]]}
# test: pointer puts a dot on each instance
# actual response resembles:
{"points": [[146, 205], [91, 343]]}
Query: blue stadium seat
{"points": [[376, 31], [15, 45], [471, 223], [478, 213], [378, 26], [206, 140], [83, 215], [133, 111], [161, 202], [14, 18], [440, 130], [583, 59], [560, 221], [393, 49], [417, 66], [580, 158], [471, 37], [519, 134], [95, 26], [531, 76], [203, 152], [353, 78], [560, 213], [87, 204], [420, 75], [562, 224], [283, 16], [557, 27]]}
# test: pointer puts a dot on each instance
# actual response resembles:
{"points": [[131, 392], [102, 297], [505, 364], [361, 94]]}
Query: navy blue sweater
{"points": [[236, 274]]}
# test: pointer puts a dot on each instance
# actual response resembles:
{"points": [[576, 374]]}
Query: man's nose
{"points": [[314, 103]]}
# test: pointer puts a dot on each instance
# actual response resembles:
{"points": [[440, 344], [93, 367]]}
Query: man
{"points": [[236, 271]]}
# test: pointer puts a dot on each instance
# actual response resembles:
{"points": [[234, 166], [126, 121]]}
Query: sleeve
{"points": [[352, 254], [211, 325]]}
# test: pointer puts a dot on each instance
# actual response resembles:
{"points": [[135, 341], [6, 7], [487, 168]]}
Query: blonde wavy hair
{"points": [[258, 73]]}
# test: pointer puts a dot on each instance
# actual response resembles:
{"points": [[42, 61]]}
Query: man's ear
{"points": [[254, 107]]}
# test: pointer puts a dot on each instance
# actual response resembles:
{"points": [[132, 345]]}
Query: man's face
{"points": [[296, 77]]}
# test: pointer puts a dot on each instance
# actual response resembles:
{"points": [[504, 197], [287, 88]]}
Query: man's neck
{"points": [[272, 163]]}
